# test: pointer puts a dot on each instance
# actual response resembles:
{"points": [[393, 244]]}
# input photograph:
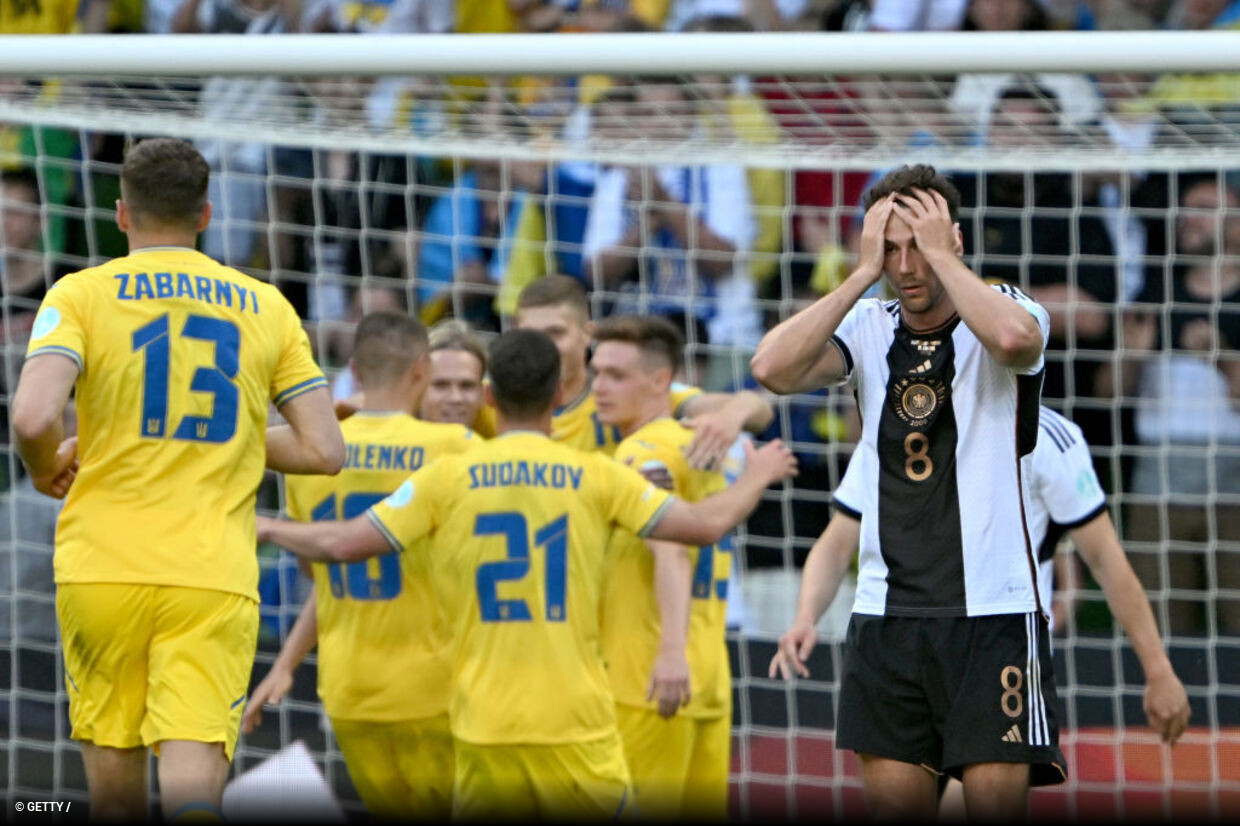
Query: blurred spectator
{"points": [[1045, 232], [1209, 104], [974, 97], [57, 16], [460, 260], [677, 15], [1203, 14], [668, 237], [1180, 363], [734, 113], [237, 189], [917, 15]]}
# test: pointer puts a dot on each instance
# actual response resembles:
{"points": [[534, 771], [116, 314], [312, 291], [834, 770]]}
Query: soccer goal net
{"points": [[716, 179]]}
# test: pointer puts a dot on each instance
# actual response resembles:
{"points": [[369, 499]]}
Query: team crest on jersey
{"points": [[46, 322], [400, 497], [916, 399]]}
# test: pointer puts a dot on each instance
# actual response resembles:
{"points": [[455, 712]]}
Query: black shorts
{"points": [[948, 692]]}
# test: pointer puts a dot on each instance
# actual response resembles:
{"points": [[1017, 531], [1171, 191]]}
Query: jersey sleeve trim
{"points": [[655, 517], [845, 352], [58, 350], [1090, 516], [383, 529], [298, 389], [847, 509]]}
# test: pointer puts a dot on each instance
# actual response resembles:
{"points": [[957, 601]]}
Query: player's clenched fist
{"points": [[772, 461], [59, 479]]}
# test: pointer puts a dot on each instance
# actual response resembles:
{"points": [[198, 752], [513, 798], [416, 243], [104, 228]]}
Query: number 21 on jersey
{"points": [[514, 528]]}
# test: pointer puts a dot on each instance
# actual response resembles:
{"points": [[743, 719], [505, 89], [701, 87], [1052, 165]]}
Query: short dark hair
{"points": [[525, 373], [385, 345], [904, 180], [551, 290], [164, 180], [654, 335]]}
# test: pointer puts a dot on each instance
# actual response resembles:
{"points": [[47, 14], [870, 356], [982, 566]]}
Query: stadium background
{"points": [[1073, 184]]}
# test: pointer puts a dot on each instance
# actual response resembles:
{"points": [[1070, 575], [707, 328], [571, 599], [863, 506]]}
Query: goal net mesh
{"points": [[1111, 198]]}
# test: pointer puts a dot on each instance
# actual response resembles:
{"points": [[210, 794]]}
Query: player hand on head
{"points": [[873, 238], [269, 692], [772, 461], [669, 681], [57, 481], [928, 217], [1166, 705], [795, 646]]}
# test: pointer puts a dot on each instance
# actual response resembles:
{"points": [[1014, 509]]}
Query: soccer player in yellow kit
{"points": [[383, 640], [175, 360], [519, 527], [557, 305], [665, 606]]}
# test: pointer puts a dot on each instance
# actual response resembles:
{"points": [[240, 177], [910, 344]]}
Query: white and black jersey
{"points": [[947, 433], [1065, 490]]}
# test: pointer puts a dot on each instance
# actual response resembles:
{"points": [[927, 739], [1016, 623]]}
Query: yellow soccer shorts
{"points": [[679, 765], [564, 782], [148, 663], [402, 770]]}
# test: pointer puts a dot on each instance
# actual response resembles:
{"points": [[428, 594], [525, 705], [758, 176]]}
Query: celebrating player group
{"points": [[521, 554]]}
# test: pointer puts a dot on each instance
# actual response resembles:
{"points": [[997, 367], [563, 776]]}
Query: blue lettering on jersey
{"points": [[200, 288], [142, 287], [163, 285], [223, 293], [524, 474], [362, 456]]}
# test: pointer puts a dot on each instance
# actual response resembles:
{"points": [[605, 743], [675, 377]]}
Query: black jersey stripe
{"points": [[1055, 437]]}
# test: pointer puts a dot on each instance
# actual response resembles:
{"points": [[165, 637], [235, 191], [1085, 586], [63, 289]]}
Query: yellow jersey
{"points": [[576, 424], [520, 528], [38, 16], [179, 358], [383, 639], [630, 612]]}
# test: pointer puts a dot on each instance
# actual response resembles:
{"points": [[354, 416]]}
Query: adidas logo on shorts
{"points": [[1012, 736]]}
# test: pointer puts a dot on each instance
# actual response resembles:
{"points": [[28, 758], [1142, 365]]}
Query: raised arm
{"points": [[326, 541], [820, 582], [39, 422], [1166, 703], [797, 355], [706, 522], [717, 419], [1006, 329], [311, 441]]}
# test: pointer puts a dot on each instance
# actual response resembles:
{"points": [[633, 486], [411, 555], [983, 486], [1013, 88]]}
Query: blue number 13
{"points": [[154, 341], [513, 527]]}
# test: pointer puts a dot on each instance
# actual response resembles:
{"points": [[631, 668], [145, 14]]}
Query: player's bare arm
{"points": [[311, 441], [301, 641], [38, 422], [820, 582], [706, 522], [669, 677], [1006, 330], [327, 541], [1166, 702], [717, 419], [797, 355]]}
